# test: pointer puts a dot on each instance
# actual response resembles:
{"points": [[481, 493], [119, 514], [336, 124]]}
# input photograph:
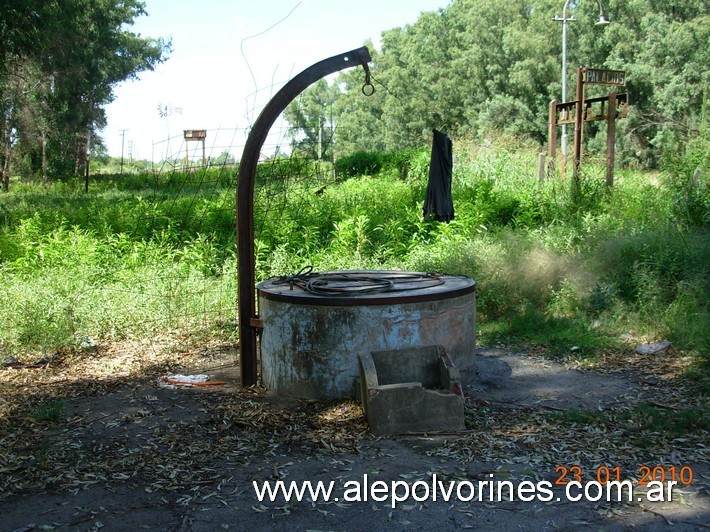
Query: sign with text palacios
{"points": [[598, 76]]}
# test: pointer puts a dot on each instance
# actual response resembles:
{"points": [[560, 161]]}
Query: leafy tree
{"points": [[60, 62], [480, 66], [459, 68], [311, 121], [223, 159], [359, 117], [664, 48]]}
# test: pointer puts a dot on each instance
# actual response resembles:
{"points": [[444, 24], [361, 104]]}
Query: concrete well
{"points": [[310, 342]]}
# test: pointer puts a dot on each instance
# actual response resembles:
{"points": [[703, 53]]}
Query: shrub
{"points": [[403, 163], [359, 163], [686, 178]]}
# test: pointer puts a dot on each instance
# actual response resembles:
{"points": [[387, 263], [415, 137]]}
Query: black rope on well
{"points": [[354, 283]]}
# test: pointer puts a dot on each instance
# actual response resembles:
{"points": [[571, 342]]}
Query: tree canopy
{"points": [[482, 66], [59, 63], [311, 119]]}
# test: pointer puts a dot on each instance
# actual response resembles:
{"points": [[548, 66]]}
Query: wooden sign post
{"points": [[578, 128], [608, 108], [190, 135]]}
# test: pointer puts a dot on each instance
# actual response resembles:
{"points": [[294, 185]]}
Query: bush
{"points": [[362, 163], [359, 164], [686, 178], [143, 253]]}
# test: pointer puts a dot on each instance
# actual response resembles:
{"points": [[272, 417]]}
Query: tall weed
{"points": [[686, 177], [155, 252]]}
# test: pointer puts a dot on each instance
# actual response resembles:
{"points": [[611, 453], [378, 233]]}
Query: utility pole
{"points": [[320, 138], [332, 141], [123, 138], [88, 145]]}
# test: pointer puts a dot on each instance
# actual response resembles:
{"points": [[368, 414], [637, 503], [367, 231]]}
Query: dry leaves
{"points": [[116, 425]]}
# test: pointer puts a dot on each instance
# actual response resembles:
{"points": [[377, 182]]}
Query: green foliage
{"points": [[370, 163], [444, 71], [663, 47], [687, 179], [644, 417], [59, 63], [359, 163], [128, 259], [50, 411], [144, 254], [311, 119], [660, 277]]}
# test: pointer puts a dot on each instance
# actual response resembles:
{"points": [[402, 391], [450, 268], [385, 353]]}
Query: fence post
{"points": [[541, 166], [610, 140]]}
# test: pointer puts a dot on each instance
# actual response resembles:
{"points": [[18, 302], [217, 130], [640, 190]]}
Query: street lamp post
{"points": [[564, 19]]}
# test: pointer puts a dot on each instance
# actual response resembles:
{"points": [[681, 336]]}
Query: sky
{"points": [[229, 57]]}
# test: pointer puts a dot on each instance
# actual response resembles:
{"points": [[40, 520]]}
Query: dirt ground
{"points": [[92, 442]]}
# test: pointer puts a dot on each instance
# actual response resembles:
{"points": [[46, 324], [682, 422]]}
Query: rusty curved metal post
{"points": [[245, 197]]}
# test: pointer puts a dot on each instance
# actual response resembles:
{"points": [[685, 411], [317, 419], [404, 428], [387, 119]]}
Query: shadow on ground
{"points": [[124, 453]]}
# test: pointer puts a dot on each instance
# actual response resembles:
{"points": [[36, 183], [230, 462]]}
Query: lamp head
{"points": [[603, 21]]}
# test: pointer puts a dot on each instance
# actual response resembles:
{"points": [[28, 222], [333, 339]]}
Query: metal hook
{"points": [[368, 83]]}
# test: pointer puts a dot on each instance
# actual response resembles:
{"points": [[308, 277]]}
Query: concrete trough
{"points": [[312, 335], [411, 390]]}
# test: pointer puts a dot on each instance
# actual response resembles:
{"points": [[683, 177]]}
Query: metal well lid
{"points": [[364, 287]]}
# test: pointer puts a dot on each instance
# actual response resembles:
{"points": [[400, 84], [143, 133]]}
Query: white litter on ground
{"points": [[173, 381]]}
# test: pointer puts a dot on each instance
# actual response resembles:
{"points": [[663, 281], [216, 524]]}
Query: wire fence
{"points": [[145, 256], [188, 277]]}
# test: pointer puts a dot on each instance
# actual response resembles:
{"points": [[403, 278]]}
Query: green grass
{"points": [[645, 417], [145, 254], [132, 258], [50, 411]]}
